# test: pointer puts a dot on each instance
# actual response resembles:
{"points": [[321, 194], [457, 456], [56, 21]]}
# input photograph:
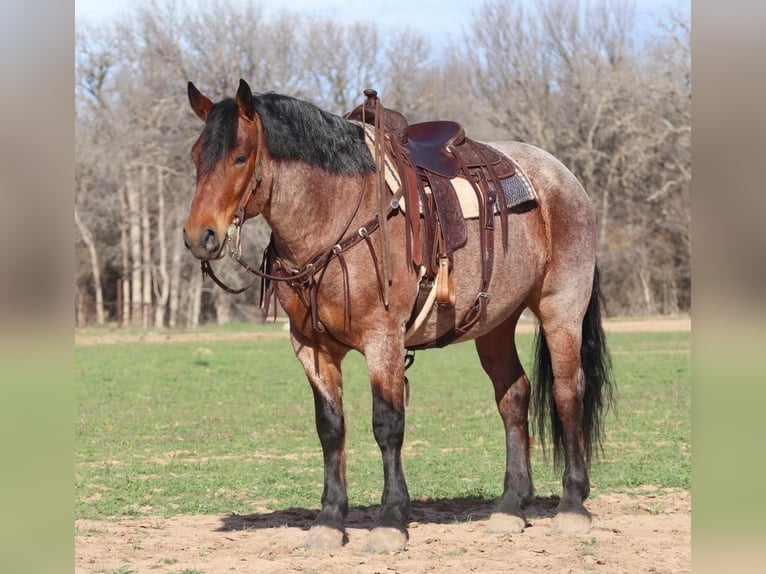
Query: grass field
{"points": [[227, 426]]}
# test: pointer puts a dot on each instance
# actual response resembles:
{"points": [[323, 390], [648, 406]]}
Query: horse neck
{"points": [[310, 208]]}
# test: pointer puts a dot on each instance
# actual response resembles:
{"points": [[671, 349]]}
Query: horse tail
{"points": [[596, 365]]}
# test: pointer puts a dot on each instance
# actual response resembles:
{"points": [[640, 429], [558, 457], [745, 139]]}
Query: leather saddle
{"points": [[428, 156]]}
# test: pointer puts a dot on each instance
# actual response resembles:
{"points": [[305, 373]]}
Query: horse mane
{"points": [[294, 129]]}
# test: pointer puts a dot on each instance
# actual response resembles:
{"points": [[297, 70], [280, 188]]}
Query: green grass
{"points": [[228, 426]]}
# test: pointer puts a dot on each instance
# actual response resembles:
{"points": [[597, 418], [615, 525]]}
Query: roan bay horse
{"points": [[312, 177]]}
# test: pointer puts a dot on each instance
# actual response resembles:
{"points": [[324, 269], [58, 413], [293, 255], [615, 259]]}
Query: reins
{"points": [[305, 276]]}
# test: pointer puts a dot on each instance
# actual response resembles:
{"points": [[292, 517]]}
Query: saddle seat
{"points": [[430, 145]]}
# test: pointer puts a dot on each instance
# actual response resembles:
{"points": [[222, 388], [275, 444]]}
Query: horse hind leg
{"points": [[500, 360], [574, 389], [568, 393], [323, 372]]}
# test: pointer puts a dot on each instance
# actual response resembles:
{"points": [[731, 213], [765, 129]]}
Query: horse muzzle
{"points": [[207, 246]]}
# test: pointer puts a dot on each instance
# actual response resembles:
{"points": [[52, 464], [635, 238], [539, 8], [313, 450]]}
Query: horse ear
{"points": [[199, 103], [245, 100]]}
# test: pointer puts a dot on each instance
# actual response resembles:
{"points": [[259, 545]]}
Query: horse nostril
{"points": [[186, 240], [210, 241]]}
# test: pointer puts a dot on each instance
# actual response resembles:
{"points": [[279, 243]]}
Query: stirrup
{"points": [[445, 283]]}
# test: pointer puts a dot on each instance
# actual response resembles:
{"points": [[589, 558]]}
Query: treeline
{"points": [[579, 79]]}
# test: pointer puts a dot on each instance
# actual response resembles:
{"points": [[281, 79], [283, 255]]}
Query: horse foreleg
{"points": [[386, 369], [324, 375], [500, 360]]}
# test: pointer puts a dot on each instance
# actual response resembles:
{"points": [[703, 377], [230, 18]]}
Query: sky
{"points": [[439, 14], [449, 16]]}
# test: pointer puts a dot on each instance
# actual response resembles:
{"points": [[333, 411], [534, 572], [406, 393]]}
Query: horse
{"points": [[310, 174]]}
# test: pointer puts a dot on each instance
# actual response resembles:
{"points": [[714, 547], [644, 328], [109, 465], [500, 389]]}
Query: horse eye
{"points": [[240, 159]]}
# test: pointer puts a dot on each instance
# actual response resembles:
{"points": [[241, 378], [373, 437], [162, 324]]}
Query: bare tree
{"points": [[340, 62], [573, 77]]}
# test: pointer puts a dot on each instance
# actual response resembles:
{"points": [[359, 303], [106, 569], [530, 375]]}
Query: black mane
{"points": [[293, 129]]}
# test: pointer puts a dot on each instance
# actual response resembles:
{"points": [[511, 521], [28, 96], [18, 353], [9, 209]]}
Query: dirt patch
{"points": [[652, 325], [636, 532]]}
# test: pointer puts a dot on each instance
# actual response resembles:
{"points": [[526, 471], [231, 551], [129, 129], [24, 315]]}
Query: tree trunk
{"points": [[134, 242], [146, 251], [195, 301], [162, 280], [87, 238], [175, 282], [222, 308], [125, 255], [79, 308], [643, 276], [604, 223], [125, 300]]}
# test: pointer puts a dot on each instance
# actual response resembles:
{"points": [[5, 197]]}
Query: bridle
{"points": [[306, 275], [234, 239]]}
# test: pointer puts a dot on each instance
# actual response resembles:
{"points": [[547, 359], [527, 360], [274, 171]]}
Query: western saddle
{"points": [[427, 156]]}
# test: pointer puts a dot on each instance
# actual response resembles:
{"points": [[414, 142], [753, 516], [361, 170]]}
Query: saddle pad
{"points": [[517, 188]]}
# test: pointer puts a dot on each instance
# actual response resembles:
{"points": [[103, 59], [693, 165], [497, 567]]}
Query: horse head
{"points": [[228, 156]]}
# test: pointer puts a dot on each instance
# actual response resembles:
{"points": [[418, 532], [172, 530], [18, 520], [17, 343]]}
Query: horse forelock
{"points": [[219, 135]]}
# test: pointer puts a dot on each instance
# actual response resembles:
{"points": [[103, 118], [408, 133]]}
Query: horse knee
{"points": [[387, 422], [330, 421]]}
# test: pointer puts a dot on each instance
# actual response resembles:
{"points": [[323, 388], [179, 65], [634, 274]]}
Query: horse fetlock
{"points": [[576, 487], [394, 515], [519, 491], [332, 515]]}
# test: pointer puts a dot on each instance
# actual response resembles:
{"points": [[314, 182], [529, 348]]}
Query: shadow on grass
{"points": [[428, 511]]}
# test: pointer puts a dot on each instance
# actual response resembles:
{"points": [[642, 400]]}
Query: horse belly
{"points": [[516, 272]]}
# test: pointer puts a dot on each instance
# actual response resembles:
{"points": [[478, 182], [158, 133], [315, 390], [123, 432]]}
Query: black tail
{"points": [[599, 387]]}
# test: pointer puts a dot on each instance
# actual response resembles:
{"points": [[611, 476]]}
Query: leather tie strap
{"points": [[380, 186]]}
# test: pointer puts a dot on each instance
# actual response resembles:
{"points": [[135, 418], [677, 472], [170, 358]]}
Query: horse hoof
{"points": [[502, 523], [572, 523], [324, 537], [384, 539]]}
